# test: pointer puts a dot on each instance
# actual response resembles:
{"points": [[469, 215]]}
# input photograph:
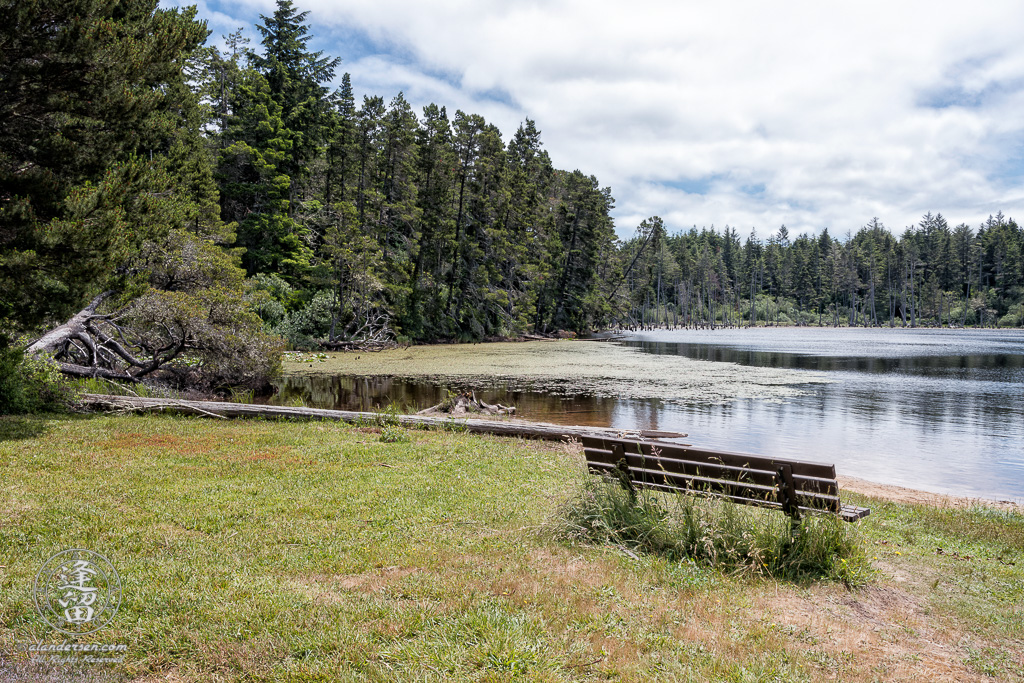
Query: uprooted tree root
{"points": [[465, 404]]}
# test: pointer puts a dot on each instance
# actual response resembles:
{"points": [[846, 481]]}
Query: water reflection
{"points": [[957, 443], [374, 393], [937, 410], [997, 367], [934, 410]]}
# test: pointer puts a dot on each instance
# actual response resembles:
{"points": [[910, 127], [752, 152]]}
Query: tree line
{"points": [[931, 275], [367, 218], [213, 203], [364, 220]]}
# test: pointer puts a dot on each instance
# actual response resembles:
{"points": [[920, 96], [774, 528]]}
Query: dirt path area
{"points": [[900, 494]]}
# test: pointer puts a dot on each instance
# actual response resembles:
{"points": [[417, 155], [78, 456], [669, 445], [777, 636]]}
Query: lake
{"points": [[939, 410]]}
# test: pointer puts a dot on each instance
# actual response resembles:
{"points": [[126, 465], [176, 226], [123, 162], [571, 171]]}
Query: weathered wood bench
{"points": [[792, 486]]}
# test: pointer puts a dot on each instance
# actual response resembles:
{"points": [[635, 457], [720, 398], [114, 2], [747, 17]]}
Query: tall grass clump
{"points": [[242, 395], [389, 416], [714, 532], [99, 385], [393, 434]]}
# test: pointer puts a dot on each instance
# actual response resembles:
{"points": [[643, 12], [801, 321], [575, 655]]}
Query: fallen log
{"points": [[73, 370], [529, 430]]}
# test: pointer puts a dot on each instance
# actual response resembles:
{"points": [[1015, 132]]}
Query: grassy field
{"points": [[313, 552]]}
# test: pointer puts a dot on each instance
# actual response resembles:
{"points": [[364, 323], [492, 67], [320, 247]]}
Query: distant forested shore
{"points": [[930, 275], [194, 209]]}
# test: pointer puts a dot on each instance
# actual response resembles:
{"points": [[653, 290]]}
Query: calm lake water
{"points": [[939, 410]]}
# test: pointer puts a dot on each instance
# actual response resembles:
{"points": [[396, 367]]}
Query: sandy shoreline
{"points": [[901, 494]]}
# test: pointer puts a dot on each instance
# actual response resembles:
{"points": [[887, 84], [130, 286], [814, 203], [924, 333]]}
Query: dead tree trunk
{"points": [[76, 333], [72, 329], [92, 344]]}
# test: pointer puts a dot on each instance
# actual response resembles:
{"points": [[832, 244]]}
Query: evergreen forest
{"points": [[201, 207]]}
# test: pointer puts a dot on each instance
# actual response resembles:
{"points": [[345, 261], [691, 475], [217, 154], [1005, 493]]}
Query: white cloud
{"points": [[376, 76], [810, 114]]}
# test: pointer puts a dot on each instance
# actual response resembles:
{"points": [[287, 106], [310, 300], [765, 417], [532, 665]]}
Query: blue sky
{"points": [[748, 114]]}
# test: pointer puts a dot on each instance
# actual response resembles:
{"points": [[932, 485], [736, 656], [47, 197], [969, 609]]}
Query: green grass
{"points": [[312, 551]]}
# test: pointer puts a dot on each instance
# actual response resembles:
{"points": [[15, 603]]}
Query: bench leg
{"points": [[787, 492], [622, 471]]}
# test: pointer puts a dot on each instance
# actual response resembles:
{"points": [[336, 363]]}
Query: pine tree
{"points": [[295, 77], [435, 170], [398, 178], [584, 225], [341, 151], [278, 123], [85, 114], [256, 191], [526, 223]]}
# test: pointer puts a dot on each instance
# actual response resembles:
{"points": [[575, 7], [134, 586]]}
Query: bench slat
{"points": [[693, 483], [774, 505], [687, 467], [715, 470], [729, 458], [740, 477], [730, 487]]}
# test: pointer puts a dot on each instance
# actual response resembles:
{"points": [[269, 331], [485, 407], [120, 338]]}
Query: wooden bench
{"points": [[792, 486]]}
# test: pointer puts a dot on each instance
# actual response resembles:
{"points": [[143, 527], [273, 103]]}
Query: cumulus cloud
{"points": [[740, 112]]}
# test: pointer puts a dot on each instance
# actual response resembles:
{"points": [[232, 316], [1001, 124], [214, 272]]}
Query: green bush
{"points": [[270, 297], [389, 417], [716, 533], [31, 385], [1014, 317], [304, 327]]}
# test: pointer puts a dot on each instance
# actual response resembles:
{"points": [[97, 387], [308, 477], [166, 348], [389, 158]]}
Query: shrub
{"points": [[30, 384], [270, 297], [1014, 317], [715, 532], [304, 327], [389, 417]]}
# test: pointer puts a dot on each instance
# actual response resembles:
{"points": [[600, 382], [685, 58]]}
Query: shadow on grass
{"points": [[21, 427], [18, 427]]}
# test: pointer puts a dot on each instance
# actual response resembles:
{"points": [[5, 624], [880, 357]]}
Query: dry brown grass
{"points": [[880, 632]]}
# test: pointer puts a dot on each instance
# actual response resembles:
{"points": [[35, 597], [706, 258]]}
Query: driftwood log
{"points": [[529, 430], [462, 405]]}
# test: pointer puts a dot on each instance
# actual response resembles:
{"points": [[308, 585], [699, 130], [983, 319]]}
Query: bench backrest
{"points": [[789, 485]]}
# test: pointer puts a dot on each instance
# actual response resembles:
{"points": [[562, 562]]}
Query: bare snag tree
{"points": [[206, 339]]}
